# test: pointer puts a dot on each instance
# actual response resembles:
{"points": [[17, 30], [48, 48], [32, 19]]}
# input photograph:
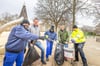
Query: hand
{"points": [[42, 37], [66, 42], [33, 41], [72, 40], [50, 39], [46, 36]]}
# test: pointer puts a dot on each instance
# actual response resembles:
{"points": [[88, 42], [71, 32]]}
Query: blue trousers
{"points": [[40, 46], [10, 58], [49, 48]]}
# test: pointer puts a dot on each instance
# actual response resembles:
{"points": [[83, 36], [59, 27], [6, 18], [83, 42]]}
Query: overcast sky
{"points": [[15, 6]]}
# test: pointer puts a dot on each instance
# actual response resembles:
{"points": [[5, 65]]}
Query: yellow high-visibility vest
{"points": [[78, 36]]}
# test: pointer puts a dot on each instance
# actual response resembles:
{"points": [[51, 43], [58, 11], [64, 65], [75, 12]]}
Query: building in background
{"points": [[23, 12]]}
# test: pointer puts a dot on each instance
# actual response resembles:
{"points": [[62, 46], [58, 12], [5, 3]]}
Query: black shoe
{"points": [[47, 59], [43, 62], [85, 64], [65, 59], [76, 60]]}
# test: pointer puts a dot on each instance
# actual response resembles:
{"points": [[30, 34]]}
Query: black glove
{"points": [[33, 41], [42, 37]]}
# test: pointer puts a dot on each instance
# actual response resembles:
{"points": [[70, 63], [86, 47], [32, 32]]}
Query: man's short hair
{"points": [[35, 19], [75, 26]]}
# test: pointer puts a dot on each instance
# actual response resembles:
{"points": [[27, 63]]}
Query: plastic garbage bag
{"points": [[31, 56], [59, 54]]}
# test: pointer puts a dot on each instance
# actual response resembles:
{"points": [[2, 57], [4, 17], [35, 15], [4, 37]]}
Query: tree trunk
{"points": [[74, 12], [56, 25]]}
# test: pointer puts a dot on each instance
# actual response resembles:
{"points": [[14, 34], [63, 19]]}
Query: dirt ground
{"points": [[91, 49]]}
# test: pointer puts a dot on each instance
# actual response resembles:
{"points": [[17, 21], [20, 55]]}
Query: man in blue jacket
{"points": [[14, 48]]}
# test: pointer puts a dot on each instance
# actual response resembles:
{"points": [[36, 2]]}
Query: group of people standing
{"points": [[24, 34]]}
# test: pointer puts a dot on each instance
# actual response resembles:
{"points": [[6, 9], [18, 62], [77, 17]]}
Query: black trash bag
{"points": [[59, 54], [31, 56]]}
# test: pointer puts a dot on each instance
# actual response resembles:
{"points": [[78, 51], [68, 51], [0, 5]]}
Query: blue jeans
{"points": [[49, 48], [66, 45], [10, 58], [79, 48], [40, 46]]}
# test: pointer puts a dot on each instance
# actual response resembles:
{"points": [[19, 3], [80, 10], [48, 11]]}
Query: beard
{"points": [[26, 28]]}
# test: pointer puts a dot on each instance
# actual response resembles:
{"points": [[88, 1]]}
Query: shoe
{"points": [[85, 64], [47, 59], [76, 60], [65, 59], [43, 62]]}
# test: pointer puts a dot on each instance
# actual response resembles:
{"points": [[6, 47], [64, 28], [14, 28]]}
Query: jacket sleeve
{"points": [[24, 34], [67, 36], [81, 35], [55, 37], [73, 36], [46, 33]]}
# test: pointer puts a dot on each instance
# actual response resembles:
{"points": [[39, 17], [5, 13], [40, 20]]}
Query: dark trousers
{"points": [[79, 48]]}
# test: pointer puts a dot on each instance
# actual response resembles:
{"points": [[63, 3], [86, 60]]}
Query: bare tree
{"points": [[6, 17], [54, 11]]}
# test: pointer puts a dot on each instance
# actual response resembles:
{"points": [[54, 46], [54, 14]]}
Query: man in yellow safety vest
{"points": [[78, 38]]}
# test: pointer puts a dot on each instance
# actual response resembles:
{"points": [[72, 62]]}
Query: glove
{"points": [[42, 37], [33, 41], [46, 36]]}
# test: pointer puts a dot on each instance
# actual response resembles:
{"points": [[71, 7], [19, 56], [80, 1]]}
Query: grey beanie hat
{"points": [[25, 21]]}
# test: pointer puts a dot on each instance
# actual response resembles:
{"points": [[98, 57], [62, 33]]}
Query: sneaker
{"points": [[43, 62], [47, 59], [65, 59]]}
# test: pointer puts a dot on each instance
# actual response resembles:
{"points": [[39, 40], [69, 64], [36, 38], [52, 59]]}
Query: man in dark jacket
{"points": [[14, 48], [51, 35]]}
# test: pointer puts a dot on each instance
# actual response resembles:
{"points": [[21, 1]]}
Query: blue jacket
{"points": [[51, 35], [18, 38]]}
